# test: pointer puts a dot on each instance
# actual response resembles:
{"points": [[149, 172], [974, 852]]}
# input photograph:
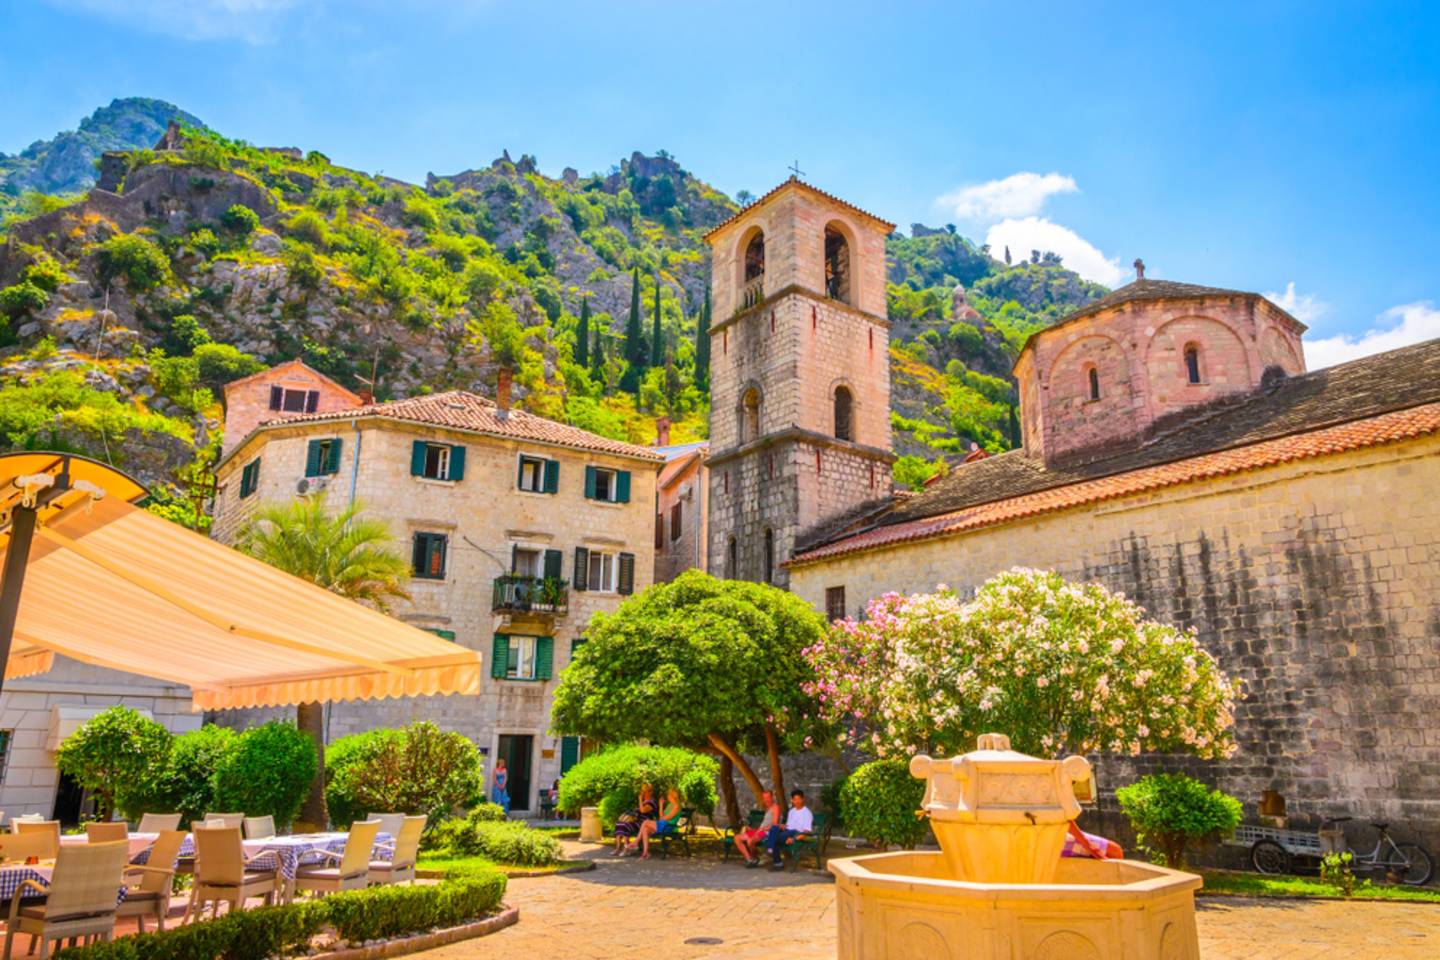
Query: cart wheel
{"points": [[1267, 856]]}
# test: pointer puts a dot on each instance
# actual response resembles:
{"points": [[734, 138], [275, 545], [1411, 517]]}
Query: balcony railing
{"points": [[514, 594], [751, 293]]}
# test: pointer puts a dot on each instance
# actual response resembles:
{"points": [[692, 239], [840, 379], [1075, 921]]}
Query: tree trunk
{"points": [[727, 790], [726, 750], [310, 717], [777, 776]]}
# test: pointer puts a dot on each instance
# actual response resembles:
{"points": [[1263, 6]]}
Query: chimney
{"points": [[1139, 269], [502, 391], [662, 431], [366, 396]]}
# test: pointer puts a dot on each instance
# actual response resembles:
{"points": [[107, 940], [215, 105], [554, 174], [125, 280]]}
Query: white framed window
{"points": [[526, 562], [532, 474], [601, 575], [605, 485], [437, 462], [520, 662]]}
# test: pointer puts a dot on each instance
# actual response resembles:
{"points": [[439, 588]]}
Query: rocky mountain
{"points": [[65, 163], [126, 311]]}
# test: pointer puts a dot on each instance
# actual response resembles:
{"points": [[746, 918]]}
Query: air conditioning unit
{"points": [[311, 485]]}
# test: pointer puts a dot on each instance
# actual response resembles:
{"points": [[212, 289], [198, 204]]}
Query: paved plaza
{"points": [[633, 909]]}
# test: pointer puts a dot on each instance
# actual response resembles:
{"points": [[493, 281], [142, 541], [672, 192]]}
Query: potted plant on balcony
{"points": [[551, 594]]}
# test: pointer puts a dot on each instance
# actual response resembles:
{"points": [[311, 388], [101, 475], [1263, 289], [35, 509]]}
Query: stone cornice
{"points": [[803, 291], [801, 435]]}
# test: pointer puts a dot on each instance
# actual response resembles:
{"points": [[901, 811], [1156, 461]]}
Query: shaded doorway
{"points": [[515, 750]]}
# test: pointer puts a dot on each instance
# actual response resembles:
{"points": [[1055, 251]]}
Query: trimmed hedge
{"points": [[879, 800], [286, 931], [482, 834]]}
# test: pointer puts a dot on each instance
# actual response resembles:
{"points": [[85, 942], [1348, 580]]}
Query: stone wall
{"points": [[247, 402], [682, 550], [1314, 582]]}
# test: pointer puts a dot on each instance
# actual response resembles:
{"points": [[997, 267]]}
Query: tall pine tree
{"points": [[657, 342], [702, 344], [634, 346], [597, 354], [582, 335]]}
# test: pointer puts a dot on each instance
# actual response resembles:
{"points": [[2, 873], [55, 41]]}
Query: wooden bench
{"points": [[683, 825], [752, 822], [813, 842]]}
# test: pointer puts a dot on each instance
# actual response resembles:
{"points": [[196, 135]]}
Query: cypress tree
{"points": [[702, 344], [582, 335], [634, 348], [657, 342]]}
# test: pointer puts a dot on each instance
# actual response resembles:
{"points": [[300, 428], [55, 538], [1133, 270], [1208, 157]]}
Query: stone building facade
{"points": [[682, 508], [800, 375], [283, 390], [520, 529]]}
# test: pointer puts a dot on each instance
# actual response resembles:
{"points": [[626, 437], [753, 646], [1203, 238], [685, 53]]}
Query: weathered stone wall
{"points": [[485, 517], [247, 402], [682, 550], [1314, 582]]}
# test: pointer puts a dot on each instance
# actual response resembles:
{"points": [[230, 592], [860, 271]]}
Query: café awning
{"points": [[110, 584]]}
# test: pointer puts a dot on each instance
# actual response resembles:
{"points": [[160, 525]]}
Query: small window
{"points": [[604, 485], [291, 400], [520, 662], [608, 486], [601, 575], [675, 523], [837, 266], [659, 530], [731, 559], [750, 415], [322, 457], [429, 555], [437, 462], [532, 474], [835, 603], [250, 478], [844, 414], [769, 556], [525, 562], [1094, 380], [1192, 363], [5, 737]]}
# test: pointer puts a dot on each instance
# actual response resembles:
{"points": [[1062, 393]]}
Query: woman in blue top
{"points": [[500, 792]]}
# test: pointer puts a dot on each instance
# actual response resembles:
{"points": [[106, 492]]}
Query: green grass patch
{"points": [[462, 865], [1239, 883]]}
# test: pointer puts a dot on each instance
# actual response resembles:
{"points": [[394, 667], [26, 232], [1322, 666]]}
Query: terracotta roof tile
{"points": [[1385, 428], [461, 410], [797, 182]]}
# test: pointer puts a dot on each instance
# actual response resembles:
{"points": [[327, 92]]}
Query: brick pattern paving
{"points": [[629, 909]]}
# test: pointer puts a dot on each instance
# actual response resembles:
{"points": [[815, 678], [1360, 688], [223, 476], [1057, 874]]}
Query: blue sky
{"points": [[1282, 147]]}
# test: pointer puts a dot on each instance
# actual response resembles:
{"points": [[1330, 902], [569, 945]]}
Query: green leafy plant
{"points": [[1170, 811], [185, 782], [113, 751], [417, 770], [240, 219], [503, 841], [22, 299], [880, 802], [618, 773], [267, 773], [131, 257], [1335, 870]]}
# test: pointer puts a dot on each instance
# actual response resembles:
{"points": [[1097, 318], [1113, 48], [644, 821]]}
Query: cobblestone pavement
{"points": [[629, 909]]}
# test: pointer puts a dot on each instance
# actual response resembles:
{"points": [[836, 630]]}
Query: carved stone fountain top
{"points": [[994, 784]]}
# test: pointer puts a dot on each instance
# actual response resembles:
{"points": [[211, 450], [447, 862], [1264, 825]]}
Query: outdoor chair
{"points": [[41, 828], [352, 868], [158, 822], [79, 901], [107, 832], [259, 828], [223, 820], [19, 847], [151, 896], [752, 822], [223, 874], [404, 851], [389, 822]]}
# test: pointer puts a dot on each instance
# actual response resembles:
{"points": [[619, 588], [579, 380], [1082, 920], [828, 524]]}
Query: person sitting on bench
{"points": [[748, 840], [669, 813], [798, 821]]}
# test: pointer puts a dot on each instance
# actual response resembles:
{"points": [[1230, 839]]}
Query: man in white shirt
{"points": [[798, 821]]}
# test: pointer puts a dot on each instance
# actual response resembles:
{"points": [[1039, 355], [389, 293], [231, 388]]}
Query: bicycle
{"points": [[1407, 863]]}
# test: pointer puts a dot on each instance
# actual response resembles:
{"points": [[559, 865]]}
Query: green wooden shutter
{"points": [[544, 657], [419, 552], [627, 573], [417, 458], [519, 473], [580, 577], [442, 634], [569, 753], [457, 463], [553, 560], [552, 476], [500, 656], [622, 486], [313, 451], [333, 464], [590, 483]]}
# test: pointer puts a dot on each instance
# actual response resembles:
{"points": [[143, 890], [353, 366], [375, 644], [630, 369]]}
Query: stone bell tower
{"points": [[799, 375]]}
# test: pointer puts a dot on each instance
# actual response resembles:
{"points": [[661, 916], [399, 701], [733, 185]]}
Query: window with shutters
{"points": [[538, 475], [835, 603], [526, 562], [520, 659], [605, 485], [292, 400], [322, 457], [250, 478], [659, 530], [675, 523], [437, 462], [601, 574], [429, 555]]}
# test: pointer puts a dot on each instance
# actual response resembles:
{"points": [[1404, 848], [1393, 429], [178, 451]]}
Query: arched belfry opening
{"points": [[837, 265], [750, 415], [844, 414], [752, 275]]}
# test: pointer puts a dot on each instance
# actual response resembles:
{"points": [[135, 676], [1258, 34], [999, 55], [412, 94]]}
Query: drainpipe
{"points": [[355, 463]]}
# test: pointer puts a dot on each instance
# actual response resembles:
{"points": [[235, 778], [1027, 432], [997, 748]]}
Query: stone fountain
{"points": [[999, 889]]}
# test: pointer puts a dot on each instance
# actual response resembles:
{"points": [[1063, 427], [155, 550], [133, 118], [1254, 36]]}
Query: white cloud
{"points": [[1403, 325], [1038, 233], [250, 20], [1304, 308], [1018, 195]]}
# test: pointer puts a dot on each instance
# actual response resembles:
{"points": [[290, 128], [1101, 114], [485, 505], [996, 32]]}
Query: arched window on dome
{"points": [[844, 414], [1192, 363]]}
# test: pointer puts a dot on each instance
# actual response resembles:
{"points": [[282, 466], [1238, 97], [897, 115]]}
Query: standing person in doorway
{"points": [[500, 792]]}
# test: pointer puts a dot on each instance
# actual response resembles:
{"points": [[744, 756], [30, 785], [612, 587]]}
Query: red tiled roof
{"points": [[278, 372], [461, 410], [797, 182], [1357, 434]]}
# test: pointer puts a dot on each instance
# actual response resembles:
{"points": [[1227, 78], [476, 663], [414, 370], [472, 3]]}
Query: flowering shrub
{"points": [[1060, 667]]}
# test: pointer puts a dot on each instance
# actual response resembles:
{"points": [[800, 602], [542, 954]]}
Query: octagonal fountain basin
{"points": [[999, 889]]}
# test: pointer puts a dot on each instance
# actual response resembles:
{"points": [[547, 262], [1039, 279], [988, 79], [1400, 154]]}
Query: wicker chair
{"points": [[222, 873], [107, 832], [41, 828], [27, 818], [352, 869], [223, 820], [259, 828], [79, 902], [404, 851], [151, 896], [158, 822], [389, 822]]}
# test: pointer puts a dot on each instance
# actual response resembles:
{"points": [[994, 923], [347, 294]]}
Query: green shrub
{"points": [[1169, 810], [341, 758], [45, 272], [186, 334], [879, 802], [482, 834], [268, 772], [22, 299], [140, 263], [240, 219], [310, 227], [205, 243], [186, 781], [419, 769], [111, 752], [219, 363], [620, 771]]}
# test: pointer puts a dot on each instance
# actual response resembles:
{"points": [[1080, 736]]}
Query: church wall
{"points": [[1316, 583]]}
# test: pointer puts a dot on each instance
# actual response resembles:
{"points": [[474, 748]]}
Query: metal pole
{"points": [[17, 555]]}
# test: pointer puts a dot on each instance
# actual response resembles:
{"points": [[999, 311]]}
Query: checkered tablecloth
{"points": [[13, 875], [287, 854]]}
